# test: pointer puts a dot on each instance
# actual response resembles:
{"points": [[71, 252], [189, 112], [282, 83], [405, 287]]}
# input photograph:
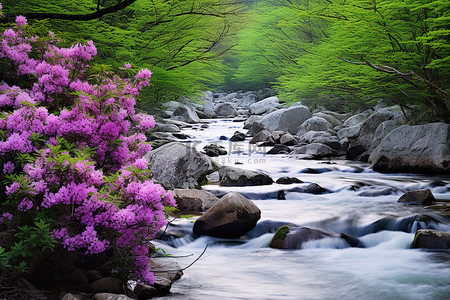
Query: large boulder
{"points": [[369, 126], [175, 165], [419, 148], [185, 114], [313, 124], [193, 200], [287, 120], [292, 237], [316, 150], [330, 117], [431, 239], [230, 176], [231, 217], [226, 110], [382, 130], [265, 106], [356, 119]]}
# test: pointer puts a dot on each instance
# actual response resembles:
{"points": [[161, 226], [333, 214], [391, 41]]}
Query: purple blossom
{"points": [[21, 20], [12, 188], [128, 66], [8, 167]]}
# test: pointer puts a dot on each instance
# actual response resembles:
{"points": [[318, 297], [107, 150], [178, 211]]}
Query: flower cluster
{"points": [[70, 144]]}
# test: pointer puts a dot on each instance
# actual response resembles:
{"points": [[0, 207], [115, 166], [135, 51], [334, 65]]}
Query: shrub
{"points": [[71, 148]]}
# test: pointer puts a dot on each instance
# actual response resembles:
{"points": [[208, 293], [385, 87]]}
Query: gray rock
{"points": [[317, 150], [313, 124], [369, 126], [279, 149], [350, 133], [214, 150], [166, 268], [424, 197], [431, 239], [230, 176], [287, 120], [419, 148], [192, 200], [329, 117], [238, 137], [261, 136], [186, 114], [356, 119], [321, 137], [265, 106], [69, 296], [175, 165], [231, 217], [166, 128], [382, 130], [144, 292], [292, 237], [288, 180], [288, 139], [109, 296], [252, 119], [226, 110]]}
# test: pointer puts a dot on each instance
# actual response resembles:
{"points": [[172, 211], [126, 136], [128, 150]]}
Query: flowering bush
{"points": [[71, 148]]}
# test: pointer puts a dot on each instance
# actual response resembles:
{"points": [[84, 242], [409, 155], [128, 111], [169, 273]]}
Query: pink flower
{"points": [[127, 65], [12, 188], [8, 167], [21, 20], [144, 74]]}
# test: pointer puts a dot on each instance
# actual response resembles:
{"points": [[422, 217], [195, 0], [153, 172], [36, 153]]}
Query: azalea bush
{"points": [[71, 148]]}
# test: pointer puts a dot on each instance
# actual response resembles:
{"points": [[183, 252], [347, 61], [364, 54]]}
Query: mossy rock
{"points": [[279, 237]]}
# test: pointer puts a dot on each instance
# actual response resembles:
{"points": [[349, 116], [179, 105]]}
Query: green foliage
{"points": [[182, 42]]}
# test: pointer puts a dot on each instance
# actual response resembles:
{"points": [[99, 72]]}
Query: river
{"points": [[247, 268]]}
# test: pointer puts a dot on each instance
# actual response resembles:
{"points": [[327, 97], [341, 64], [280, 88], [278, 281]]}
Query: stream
{"points": [[360, 202]]}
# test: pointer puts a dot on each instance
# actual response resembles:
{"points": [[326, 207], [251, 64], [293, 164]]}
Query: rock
{"points": [[238, 137], [288, 180], [321, 137], [69, 296], [166, 268], [312, 188], [194, 200], [214, 150], [313, 124], [107, 285], [354, 151], [369, 126], [175, 165], [213, 177], [230, 176], [252, 119], [261, 136], [187, 114], [356, 119], [108, 296], [316, 150], [144, 291], [431, 239], [226, 110], [166, 128], [223, 138], [292, 237], [287, 120], [378, 192], [382, 130], [288, 139], [415, 149], [231, 217], [351, 132], [424, 197], [265, 106], [181, 136], [329, 117], [77, 276], [279, 149]]}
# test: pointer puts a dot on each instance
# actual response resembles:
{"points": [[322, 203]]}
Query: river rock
{"points": [[265, 106], [107, 285], [356, 119], [286, 120], [279, 149], [369, 126], [261, 136], [288, 139], [321, 137], [249, 122], [186, 114], [316, 150], [213, 150], [226, 110], [166, 128], [109, 296], [288, 180], [166, 272], [69, 296], [230, 176], [292, 237], [238, 137], [354, 151], [417, 149], [144, 292], [175, 165], [313, 124], [329, 117], [424, 197], [194, 200], [231, 217], [382, 130], [431, 239]]}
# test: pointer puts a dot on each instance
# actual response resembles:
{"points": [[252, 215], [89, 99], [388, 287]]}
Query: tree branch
{"points": [[76, 17], [392, 70]]}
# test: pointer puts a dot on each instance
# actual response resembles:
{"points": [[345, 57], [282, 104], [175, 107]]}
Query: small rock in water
{"points": [[214, 150], [292, 237], [223, 138], [431, 239], [279, 149], [144, 292], [424, 197], [355, 151], [238, 137], [230, 176], [281, 195], [181, 136], [288, 180], [109, 296]]}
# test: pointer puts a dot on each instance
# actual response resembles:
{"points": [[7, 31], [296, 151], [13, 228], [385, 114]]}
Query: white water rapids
{"points": [[324, 269]]}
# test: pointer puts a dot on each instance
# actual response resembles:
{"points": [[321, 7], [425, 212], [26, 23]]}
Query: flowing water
{"points": [[386, 268]]}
